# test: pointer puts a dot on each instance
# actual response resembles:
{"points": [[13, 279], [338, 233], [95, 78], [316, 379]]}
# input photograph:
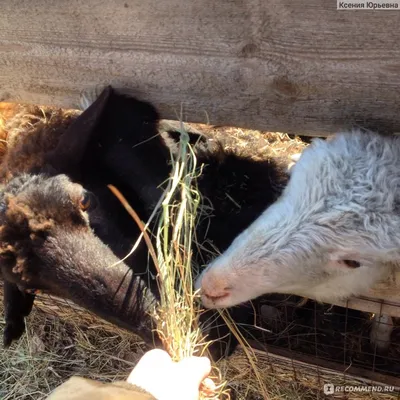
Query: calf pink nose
{"points": [[213, 287], [217, 297]]}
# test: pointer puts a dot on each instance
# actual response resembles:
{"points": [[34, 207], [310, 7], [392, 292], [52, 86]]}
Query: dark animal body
{"points": [[62, 229]]}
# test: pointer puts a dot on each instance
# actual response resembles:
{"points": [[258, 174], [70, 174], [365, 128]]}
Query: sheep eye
{"points": [[86, 202], [352, 263]]}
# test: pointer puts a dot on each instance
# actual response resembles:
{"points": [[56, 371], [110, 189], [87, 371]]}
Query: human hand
{"points": [[168, 380]]}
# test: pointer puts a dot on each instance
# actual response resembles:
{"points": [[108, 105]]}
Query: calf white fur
{"points": [[334, 232]]}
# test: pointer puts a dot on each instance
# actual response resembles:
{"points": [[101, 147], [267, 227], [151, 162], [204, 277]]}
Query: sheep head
{"points": [[333, 233], [46, 243]]}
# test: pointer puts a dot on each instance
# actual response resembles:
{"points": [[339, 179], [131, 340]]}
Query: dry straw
{"points": [[178, 313]]}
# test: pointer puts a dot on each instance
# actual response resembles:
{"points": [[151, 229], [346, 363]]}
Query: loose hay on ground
{"points": [[63, 340]]}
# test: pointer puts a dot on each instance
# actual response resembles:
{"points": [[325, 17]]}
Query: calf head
{"points": [[333, 233]]}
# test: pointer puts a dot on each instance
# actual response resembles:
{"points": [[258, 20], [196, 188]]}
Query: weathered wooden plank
{"points": [[374, 305], [286, 65], [383, 298]]}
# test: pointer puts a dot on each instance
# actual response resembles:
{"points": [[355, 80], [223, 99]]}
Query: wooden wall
{"points": [[282, 65]]}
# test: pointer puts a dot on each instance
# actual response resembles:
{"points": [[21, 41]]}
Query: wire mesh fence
{"points": [[312, 339]]}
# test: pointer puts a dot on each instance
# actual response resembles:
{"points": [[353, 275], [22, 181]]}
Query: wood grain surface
{"points": [[280, 65]]}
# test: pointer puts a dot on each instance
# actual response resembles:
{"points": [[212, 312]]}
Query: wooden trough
{"points": [[280, 65]]}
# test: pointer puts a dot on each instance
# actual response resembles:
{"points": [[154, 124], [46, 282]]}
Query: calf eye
{"points": [[352, 263]]}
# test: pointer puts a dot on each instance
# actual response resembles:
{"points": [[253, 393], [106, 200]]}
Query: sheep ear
{"points": [[68, 154]]}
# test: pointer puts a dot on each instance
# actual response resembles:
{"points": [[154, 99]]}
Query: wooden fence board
{"points": [[282, 65]]}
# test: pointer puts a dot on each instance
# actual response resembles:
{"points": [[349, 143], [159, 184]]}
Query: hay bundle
{"points": [[178, 313]]}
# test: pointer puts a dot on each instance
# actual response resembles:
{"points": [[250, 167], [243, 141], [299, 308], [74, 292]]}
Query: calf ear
{"points": [[17, 306], [129, 149], [68, 154]]}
